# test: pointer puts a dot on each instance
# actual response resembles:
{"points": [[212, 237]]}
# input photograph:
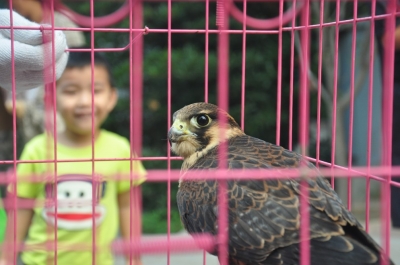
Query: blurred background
{"points": [[261, 81], [188, 75]]}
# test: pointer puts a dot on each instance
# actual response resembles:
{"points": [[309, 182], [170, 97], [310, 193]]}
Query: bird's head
{"points": [[195, 127]]}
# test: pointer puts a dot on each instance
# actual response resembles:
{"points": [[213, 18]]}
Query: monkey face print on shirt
{"points": [[74, 200]]}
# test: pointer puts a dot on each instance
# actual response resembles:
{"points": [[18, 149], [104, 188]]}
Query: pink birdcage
{"points": [[332, 58]]}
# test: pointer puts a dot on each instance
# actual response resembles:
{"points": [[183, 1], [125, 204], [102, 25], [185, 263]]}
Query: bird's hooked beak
{"points": [[177, 130]]}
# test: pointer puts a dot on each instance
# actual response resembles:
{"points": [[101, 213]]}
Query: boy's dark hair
{"points": [[82, 59]]}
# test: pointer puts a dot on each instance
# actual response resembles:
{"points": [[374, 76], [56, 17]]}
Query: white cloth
{"points": [[32, 53], [75, 38]]}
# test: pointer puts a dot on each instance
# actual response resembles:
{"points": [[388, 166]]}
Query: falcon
{"points": [[264, 215]]}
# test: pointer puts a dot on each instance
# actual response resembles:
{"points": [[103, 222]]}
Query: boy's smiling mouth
{"points": [[84, 115]]}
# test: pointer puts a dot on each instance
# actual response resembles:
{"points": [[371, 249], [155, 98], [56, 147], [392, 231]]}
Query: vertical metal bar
{"points": [[220, 16], [351, 112], [169, 124], [50, 107], [223, 84], [207, 35], [93, 132], [52, 87], [370, 102], [135, 87], [243, 96], [137, 81], [132, 77], [304, 90], [319, 96], [291, 86], [303, 137], [13, 89], [387, 113], [335, 84], [304, 225], [206, 48], [279, 77]]}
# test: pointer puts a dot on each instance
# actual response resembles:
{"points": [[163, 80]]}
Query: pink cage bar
{"points": [[294, 17]]}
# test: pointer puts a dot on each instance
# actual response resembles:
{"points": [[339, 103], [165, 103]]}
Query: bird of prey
{"points": [[264, 215]]}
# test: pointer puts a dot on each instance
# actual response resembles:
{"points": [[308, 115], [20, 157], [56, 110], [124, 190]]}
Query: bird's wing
{"points": [[264, 214]]}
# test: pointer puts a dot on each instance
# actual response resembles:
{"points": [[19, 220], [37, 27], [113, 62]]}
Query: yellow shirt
{"points": [[72, 191]]}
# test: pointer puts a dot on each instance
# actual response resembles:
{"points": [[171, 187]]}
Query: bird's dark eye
{"points": [[203, 120]]}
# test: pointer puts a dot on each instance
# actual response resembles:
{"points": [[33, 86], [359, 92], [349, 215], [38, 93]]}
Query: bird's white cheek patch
{"points": [[174, 148], [186, 148]]}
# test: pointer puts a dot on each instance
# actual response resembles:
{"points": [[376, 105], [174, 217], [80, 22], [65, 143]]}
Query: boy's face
{"points": [[74, 98]]}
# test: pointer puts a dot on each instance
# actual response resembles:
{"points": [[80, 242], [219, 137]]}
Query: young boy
{"points": [[72, 190], [31, 103]]}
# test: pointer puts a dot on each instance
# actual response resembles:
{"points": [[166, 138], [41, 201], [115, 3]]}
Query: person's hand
{"points": [[33, 58]]}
